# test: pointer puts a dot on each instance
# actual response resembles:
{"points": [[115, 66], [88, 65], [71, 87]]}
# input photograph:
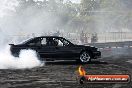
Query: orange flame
{"points": [[81, 70]]}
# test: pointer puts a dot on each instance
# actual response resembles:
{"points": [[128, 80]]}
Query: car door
{"points": [[46, 50], [64, 51]]}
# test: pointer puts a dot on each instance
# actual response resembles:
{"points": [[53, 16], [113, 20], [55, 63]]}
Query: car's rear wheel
{"points": [[85, 57], [15, 53]]}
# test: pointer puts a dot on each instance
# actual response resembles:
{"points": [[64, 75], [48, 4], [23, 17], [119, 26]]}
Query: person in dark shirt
{"points": [[51, 42]]}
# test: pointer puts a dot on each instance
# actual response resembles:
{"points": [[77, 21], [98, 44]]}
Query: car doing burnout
{"points": [[57, 48]]}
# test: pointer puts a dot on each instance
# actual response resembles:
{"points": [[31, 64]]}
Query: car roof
{"points": [[48, 37], [42, 37]]}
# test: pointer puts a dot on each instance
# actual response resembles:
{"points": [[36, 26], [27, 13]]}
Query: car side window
{"points": [[43, 42], [65, 42], [51, 42], [59, 42]]}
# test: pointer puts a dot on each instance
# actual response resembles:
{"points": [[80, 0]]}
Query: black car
{"points": [[57, 48]]}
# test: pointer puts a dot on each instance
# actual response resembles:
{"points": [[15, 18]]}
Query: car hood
{"points": [[87, 46]]}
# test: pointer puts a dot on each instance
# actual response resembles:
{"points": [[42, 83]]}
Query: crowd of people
{"points": [[84, 38]]}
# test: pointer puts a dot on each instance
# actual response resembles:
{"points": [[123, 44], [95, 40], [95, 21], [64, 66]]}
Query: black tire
{"points": [[16, 53], [84, 57]]}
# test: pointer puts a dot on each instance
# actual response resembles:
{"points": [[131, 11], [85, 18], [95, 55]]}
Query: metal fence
{"points": [[86, 38], [101, 37]]}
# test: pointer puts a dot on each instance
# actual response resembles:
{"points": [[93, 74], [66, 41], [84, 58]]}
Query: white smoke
{"points": [[13, 24], [27, 59], [9, 26], [7, 6]]}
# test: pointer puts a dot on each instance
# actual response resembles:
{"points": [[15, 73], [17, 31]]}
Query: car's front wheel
{"points": [[85, 57]]}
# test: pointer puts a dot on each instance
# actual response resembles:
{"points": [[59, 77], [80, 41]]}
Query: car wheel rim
{"points": [[84, 57]]}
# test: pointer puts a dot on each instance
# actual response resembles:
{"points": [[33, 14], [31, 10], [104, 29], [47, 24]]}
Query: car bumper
{"points": [[96, 54]]}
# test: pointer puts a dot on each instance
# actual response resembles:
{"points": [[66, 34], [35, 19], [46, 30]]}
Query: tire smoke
{"points": [[26, 59]]}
